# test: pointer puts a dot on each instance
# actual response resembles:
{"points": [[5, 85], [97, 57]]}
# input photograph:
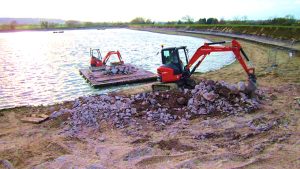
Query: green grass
{"points": [[271, 31]]}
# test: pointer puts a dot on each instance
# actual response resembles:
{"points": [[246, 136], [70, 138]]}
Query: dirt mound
{"points": [[160, 108]]}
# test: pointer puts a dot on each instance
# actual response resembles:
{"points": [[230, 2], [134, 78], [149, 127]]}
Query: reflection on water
{"points": [[42, 67]]}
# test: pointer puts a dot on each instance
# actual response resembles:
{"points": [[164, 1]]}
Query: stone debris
{"points": [[220, 97], [6, 164], [159, 108], [262, 124], [71, 161], [137, 153], [119, 70]]}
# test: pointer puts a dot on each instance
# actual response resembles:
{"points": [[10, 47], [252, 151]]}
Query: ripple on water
{"points": [[42, 67]]}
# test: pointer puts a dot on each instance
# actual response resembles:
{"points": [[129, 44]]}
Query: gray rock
{"points": [[95, 166], [137, 153], [191, 101], [56, 114], [52, 109], [152, 101], [114, 70], [133, 110], [102, 139], [121, 69], [211, 96], [185, 91], [181, 100], [241, 86], [5, 164], [202, 111], [233, 88]]}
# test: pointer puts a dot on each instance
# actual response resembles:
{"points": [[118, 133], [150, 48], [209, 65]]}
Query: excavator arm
{"points": [[206, 49], [105, 59]]}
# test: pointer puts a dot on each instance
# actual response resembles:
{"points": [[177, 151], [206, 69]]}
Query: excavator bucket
{"points": [[252, 85]]}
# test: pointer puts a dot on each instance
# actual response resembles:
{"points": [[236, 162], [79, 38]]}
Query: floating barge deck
{"points": [[99, 79]]}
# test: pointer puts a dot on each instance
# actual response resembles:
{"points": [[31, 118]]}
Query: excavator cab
{"points": [[174, 59], [96, 58]]}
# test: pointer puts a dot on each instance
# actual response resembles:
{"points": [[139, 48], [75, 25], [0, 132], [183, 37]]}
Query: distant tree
{"points": [[4, 27], [72, 23], [287, 20], [179, 22], [44, 24], [244, 18], [236, 20], [89, 24], [212, 21], [187, 19], [13, 25], [172, 22], [138, 20], [148, 21], [202, 21], [222, 21]]}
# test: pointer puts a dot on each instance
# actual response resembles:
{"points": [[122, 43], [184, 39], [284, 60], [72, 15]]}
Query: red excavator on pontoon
{"points": [[173, 69]]}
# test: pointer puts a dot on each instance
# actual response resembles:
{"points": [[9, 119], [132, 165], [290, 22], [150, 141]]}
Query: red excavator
{"points": [[97, 61], [173, 69]]}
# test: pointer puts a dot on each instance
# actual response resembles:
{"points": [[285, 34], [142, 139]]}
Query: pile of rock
{"points": [[90, 111], [162, 108], [119, 70], [220, 97]]}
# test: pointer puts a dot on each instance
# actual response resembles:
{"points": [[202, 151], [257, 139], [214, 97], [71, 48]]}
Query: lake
{"points": [[41, 67]]}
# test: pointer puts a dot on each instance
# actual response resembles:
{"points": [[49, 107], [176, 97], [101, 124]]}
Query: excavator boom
{"points": [[206, 49], [113, 53]]}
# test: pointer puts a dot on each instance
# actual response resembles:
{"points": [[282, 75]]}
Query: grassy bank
{"points": [[269, 31]]}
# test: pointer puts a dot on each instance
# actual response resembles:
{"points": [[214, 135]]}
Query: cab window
{"points": [[169, 56]]}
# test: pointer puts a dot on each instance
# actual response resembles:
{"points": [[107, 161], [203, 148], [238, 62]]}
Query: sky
{"points": [[156, 10]]}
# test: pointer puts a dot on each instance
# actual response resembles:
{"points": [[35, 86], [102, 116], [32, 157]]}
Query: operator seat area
{"points": [[171, 59]]}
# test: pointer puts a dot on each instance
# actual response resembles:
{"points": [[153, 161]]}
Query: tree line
{"points": [[288, 20]]}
